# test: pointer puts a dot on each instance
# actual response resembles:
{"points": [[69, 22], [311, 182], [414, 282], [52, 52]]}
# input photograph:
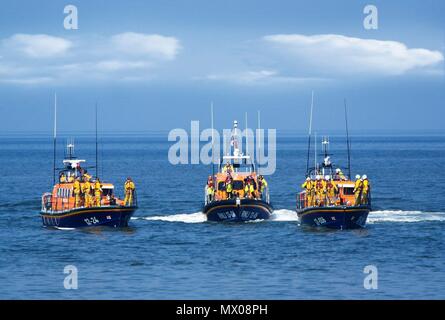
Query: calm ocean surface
{"points": [[170, 252]]}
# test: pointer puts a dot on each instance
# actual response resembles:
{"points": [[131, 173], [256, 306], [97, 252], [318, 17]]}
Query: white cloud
{"points": [[121, 57], [332, 53], [117, 65], [146, 44], [38, 45], [258, 77]]}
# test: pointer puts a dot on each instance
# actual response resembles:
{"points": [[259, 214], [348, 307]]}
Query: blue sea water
{"points": [[169, 251]]}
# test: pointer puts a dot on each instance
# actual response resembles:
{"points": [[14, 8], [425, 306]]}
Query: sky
{"points": [[157, 65]]}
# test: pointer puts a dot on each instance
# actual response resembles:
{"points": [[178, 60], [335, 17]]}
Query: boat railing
{"points": [[325, 201], [264, 196], [51, 205], [47, 202]]}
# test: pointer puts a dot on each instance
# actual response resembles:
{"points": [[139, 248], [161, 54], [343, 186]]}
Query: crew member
{"points": [[365, 189], [339, 174], [210, 181], [320, 190], [331, 190], [358, 190], [262, 184], [309, 185], [249, 190], [87, 176], [62, 178], [97, 193], [129, 188], [210, 193], [229, 187], [252, 190], [86, 190], [228, 168], [76, 191]]}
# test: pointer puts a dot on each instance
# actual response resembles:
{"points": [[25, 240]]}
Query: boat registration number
{"points": [[319, 221], [91, 221], [226, 215], [249, 215]]}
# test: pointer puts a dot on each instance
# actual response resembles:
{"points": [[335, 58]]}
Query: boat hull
{"points": [[334, 217], [240, 210], [113, 216]]}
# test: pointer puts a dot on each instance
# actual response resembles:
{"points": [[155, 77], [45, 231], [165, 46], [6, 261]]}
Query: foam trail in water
{"points": [[404, 216], [197, 217], [284, 215]]}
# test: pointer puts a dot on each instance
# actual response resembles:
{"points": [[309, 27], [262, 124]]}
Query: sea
{"points": [[170, 251]]}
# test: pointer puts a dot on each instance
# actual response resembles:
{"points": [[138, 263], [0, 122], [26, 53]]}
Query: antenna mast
{"points": [[247, 138], [315, 153], [97, 163], [309, 135], [55, 138], [259, 141], [213, 144], [347, 140]]}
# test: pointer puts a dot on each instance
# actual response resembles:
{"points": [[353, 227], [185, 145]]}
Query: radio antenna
{"points": [[97, 163], [259, 141], [347, 140], [55, 138], [213, 137], [309, 134]]}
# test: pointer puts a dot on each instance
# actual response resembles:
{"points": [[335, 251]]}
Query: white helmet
{"points": [[357, 176], [326, 178], [318, 177], [364, 177], [337, 170], [307, 179]]}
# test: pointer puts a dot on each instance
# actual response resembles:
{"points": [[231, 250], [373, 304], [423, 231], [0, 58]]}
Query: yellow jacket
{"points": [[129, 186], [76, 187], [263, 184], [97, 187], [320, 186], [86, 187], [307, 185], [365, 185], [331, 187], [358, 185]]}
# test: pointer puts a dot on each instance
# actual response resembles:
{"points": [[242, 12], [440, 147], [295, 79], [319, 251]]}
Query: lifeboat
{"points": [[236, 193], [337, 210], [59, 207]]}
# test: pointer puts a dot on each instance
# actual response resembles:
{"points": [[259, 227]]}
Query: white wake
{"points": [[404, 216], [199, 217], [291, 215]]}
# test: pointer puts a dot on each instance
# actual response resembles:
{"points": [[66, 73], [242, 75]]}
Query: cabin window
{"points": [[221, 186], [107, 192], [238, 185], [348, 191]]}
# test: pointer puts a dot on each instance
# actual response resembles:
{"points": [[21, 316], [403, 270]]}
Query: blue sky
{"points": [[156, 65]]}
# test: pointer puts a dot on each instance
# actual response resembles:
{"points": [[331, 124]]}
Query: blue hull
{"points": [[334, 217], [115, 216], [245, 210]]}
